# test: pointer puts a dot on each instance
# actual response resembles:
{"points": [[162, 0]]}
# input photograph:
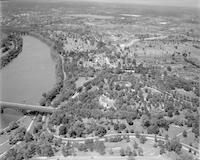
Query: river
{"points": [[26, 77]]}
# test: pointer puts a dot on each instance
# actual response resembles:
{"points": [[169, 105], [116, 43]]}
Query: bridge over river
{"points": [[26, 107]]}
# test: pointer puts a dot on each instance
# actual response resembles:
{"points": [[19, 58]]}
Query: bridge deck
{"points": [[27, 107]]}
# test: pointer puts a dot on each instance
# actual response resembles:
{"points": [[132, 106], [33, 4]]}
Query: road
{"points": [[63, 68], [25, 121], [148, 136], [4, 142]]}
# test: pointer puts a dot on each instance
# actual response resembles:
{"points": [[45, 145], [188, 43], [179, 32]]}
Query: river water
{"points": [[26, 77]]}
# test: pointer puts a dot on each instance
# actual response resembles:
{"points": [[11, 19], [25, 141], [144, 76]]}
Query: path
{"points": [[189, 130], [63, 67]]}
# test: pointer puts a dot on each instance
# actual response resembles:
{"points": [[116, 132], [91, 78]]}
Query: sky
{"points": [[181, 3], [186, 3]]}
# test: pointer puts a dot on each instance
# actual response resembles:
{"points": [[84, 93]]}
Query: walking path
{"points": [[189, 130]]}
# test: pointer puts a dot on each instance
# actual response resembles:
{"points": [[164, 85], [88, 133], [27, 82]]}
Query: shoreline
{"points": [[59, 70], [7, 58], [58, 67], [54, 55]]}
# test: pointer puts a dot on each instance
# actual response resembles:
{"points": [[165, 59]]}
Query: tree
{"points": [[79, 128], [46, 150], [137, 134], [100, 131], [37, 128], [30, 149], [131, 157], [28, 137], [140, 151], [134, 153], [143, 139], [49, 137], [170, 113], [82, 147], [116, 139], [166, 137], [155, 145], [177, 112], [162, 150], [174, 145], [195, 126], [18, 135], [79, 89], [39, 118], [42, 137], [127, 138], [128, 151], [13, 125], [122, 152], [11, 154], [184, 133], [42, 101], [90, 144], [100, 147], [57, 142], [62, 130], [129, 121], [146, 121], [111, 152], [67, 150], [20, 155], [135, 145], [155, 138], [169, 68], [153, 129], [163, 123], [72, 132], [116, 126], [132, 130], [122, 126], [185, 156]]}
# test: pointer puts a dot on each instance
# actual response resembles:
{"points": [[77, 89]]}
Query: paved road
{"points": [[4, 144], [63, 67], [148, 136]]}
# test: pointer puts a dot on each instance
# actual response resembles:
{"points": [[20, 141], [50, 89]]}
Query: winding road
{"points": [[132, 135]]}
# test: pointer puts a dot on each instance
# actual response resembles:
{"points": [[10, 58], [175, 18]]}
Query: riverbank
{"points": [[59, 70], [5, 59], [30, 75], [27, 77]]}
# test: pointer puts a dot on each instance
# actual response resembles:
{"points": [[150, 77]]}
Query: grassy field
{"points": [[150, 153]]}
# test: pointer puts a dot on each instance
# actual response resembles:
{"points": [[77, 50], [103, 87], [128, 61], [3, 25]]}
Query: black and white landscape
{"points": [[102, 80]]}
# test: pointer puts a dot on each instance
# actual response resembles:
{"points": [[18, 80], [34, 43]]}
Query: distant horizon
{"points": [[172, 3]]}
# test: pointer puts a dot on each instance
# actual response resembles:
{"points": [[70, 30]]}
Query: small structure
{"points": [[106, 102]]}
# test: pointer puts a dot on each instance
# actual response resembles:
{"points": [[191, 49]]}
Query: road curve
{"points": [[148, 136]]}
